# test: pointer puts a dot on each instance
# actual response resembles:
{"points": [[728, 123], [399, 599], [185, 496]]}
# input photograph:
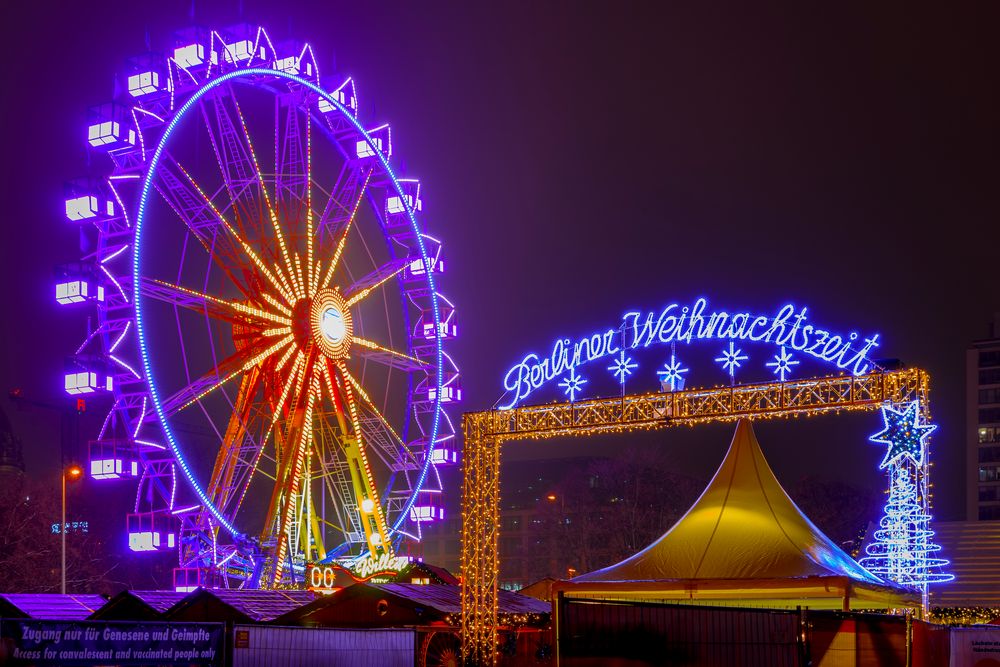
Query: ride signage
{"points": [[329, 578], [684, 324]]}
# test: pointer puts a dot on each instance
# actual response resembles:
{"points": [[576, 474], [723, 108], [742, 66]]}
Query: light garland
{"points": [[486, 431], [903, 550]]}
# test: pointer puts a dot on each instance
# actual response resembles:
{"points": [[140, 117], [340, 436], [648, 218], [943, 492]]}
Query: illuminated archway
{"points": [[902, 395]]}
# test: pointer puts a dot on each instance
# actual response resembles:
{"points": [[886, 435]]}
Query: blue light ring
{"points": [[137, 296]]}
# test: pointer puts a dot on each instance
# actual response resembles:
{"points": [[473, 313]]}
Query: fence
{"points": [[604, 632], [265, 646]]}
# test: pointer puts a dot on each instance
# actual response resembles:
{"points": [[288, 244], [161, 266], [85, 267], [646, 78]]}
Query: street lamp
{"points": [[73, 472]]}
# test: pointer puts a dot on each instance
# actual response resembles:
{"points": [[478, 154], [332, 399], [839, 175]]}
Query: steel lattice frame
{"points": [[485, 432], [281, 242]]}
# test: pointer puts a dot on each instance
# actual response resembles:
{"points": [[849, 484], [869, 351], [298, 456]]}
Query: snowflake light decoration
{"points": [[623, 367], [782, 363], [903, 433], [732, 359], [673, 373], [572, 384]]}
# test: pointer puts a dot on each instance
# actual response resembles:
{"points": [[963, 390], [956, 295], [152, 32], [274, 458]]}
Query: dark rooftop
{"points": [[54, 606]]}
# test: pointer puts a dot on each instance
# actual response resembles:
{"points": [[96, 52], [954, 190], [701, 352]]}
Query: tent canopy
{"points": [[744, 526], [743, 541]]}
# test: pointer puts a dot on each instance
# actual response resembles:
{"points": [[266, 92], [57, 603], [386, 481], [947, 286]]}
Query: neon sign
{"points": [[787, 329], [328, 578]]}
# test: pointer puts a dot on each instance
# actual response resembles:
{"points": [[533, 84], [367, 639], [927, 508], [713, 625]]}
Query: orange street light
{"points": [[73, 472], [551, 497]]}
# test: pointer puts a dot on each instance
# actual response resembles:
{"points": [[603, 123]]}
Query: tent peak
{"points": [[743, 526]]}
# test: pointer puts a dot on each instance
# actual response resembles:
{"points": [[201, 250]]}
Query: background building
{"points": [[973, 546], [983, 427]]}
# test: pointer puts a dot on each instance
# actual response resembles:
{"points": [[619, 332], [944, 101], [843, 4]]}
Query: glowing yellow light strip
{"points": [[282, 289], [368, 290], [289, 383], [277, 304], [254, 470], [364, 342], [356, 425], [343, 238], [278, 331], [284, 480], [309, 211], [305, 433], [299, 292], [371, 406], [246, 366], [284, 281], [298, 269], [234, 305], [329, 381], [284, 359]]}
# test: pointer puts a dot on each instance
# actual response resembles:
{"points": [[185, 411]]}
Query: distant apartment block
{"points": [[983, 427]]}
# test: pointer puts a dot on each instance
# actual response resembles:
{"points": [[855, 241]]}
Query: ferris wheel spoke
{"points": [[361, 473], [344, 199], [371, 351], [232, 311], [339, 231], [292, 158], [366, 284], [228, 369], [244, 180], [295, 374], [235, 157], [201, 217], [241, 446], [391, 271], [224, 243], [379, 432], [297, 439]]}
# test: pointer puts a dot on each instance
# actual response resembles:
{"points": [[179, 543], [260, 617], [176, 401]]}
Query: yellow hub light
{"points": [[330, 324]]}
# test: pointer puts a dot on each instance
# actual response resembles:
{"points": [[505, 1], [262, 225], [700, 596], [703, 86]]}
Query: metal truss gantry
{"points": [[486, 431]]}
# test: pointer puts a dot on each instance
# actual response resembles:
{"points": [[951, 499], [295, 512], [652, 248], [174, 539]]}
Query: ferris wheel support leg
{"points": [[372, 518]]}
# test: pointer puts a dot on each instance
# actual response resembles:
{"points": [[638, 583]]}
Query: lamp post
{"points": [[72, 472]]}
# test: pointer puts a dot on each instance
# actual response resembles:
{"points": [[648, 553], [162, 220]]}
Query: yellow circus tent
{"points": [[744, 543]]}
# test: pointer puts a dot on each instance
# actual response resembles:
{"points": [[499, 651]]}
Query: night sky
{"points": [[581, 160]]}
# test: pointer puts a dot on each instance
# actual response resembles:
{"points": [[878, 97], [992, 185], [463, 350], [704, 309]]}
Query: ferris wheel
{"points": [[269, 330]]}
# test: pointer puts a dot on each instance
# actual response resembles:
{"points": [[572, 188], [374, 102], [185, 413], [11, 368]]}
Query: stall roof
{"points": [[50, 606], [406, 604], [240, 605], [138, 605], [159, 600], [448, 599]]}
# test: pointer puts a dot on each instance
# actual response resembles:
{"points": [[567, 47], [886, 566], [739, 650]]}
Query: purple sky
{"points": [[580, 160]]}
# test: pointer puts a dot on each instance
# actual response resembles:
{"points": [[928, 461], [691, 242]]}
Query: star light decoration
{"points": [[623, 367], [903, 433], [572, 383], [673, 373], [782, 363], [732, 359]]}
